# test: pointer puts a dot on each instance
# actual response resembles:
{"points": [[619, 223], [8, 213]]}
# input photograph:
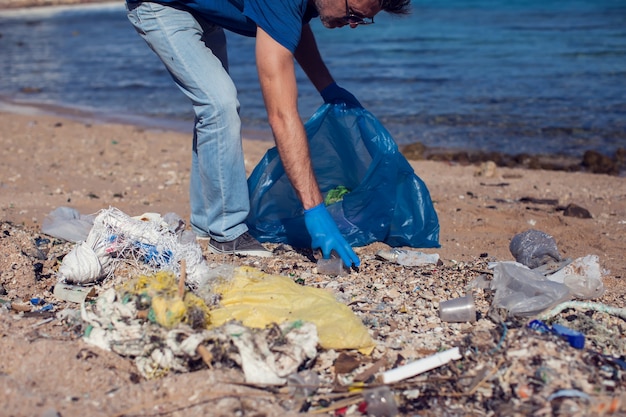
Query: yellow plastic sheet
{"points": [[258, 300]]}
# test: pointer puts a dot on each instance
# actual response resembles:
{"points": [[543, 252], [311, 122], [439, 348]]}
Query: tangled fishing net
{"points": [[149, 243]]}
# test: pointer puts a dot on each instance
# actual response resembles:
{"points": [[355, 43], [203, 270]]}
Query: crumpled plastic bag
{"points": [[534, 248], [67, 223], [523, 292], [259, 300], [583, 277], [350, 148]]}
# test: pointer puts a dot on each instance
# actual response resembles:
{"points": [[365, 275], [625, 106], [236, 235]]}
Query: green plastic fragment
{"points": [[335, 195]]}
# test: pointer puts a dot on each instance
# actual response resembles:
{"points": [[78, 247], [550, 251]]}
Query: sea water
{"points": [[523, 76]]}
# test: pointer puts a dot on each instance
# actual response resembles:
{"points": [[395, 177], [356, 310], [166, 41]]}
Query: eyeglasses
{"points": [[354, 19]]}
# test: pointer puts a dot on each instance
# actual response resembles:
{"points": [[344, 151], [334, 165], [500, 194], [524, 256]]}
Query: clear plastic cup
{"points": [[332, 266], [458, 310]]}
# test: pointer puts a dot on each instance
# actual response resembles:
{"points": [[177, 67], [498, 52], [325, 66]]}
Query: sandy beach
{"points": [[54, 158], [49, 161]]}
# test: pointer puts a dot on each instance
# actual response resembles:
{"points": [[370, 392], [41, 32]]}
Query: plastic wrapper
{"points": [[67, 223], [351, 150], [583, 277], [523, 292], [258, 300]]}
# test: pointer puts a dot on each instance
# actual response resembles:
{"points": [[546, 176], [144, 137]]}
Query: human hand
{"points": [[325, 235], [335, 94]]}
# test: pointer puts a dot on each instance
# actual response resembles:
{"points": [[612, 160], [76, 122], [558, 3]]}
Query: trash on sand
{"points": [[148, 242], [258, 300], [332, 266], [569, 393], [303, 384], [296, 342], [523, 292], [583, 277], [380, 402], [574, 338], [267, 356], [534, 248], [67, 223], [73, 293], [584, 305], [161, 297], [164, 327], [526, 292], [408, 257], [538, 251], [420, 366], [459, 310]]}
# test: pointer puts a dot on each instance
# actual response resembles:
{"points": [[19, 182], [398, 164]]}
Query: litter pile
{"points": [[530, 337], [163, 321]]}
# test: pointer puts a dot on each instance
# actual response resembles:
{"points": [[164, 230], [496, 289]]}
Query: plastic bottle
{"points": [[408, 257]]}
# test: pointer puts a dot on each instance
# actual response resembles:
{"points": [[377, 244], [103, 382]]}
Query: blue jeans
{"points": [[194, 52]]}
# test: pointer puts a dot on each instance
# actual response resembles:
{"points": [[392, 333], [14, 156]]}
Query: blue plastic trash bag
{"points": [[385, 202]]}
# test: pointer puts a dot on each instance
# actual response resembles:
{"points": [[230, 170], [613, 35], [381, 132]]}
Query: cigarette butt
{"points": [[21, 307], [205, 354]]}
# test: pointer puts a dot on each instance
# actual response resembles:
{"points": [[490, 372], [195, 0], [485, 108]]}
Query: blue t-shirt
{"points": [[281, 19]]}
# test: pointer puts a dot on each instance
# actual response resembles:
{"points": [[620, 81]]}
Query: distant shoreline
{"points": [[592, 161], [17, 4]]}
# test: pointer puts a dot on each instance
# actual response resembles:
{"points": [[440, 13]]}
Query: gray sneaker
{"points": [[244, 245]]}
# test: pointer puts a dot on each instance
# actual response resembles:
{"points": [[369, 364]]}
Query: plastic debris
{"points": [[574, 338], [584, 305], [415, 368], [569, 393], [460, 309], [523, 292], [408, 257], [332, 266], [534, 248], [303, 384], [380, 402], [73, 293], [259, 300], [267, 356], [583, 277], [335, 195], [160, 295], [147, 242], [68, 224]]}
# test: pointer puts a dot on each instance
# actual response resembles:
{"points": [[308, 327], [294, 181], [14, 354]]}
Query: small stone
{"points": [[574, 210]]}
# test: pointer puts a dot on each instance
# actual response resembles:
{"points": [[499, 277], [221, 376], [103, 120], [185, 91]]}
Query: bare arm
{"points": [[276, 70], [309, 58]]}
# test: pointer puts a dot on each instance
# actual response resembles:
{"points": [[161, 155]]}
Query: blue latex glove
{"points": [[325, 235], [335, 94]]}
